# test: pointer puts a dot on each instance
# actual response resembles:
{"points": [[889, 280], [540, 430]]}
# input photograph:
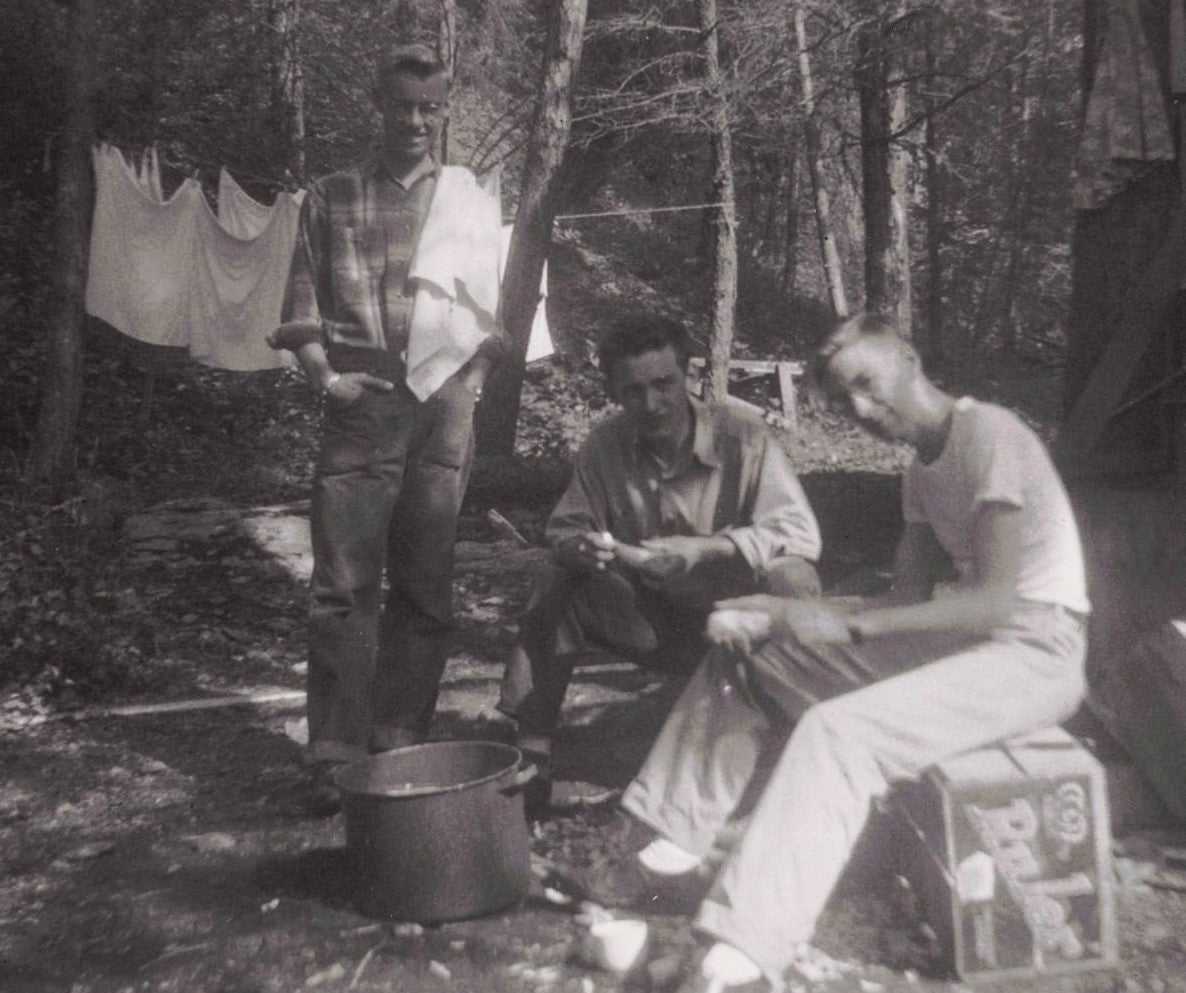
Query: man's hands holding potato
{"points": [[586, 552], [657, 561], [745, 622]]}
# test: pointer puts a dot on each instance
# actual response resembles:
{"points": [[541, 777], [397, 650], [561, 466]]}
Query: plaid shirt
{"points": [[348, 281]]}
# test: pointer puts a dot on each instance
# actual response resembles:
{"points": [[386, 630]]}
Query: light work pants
{"points": [[939, 696], [661, 629]]}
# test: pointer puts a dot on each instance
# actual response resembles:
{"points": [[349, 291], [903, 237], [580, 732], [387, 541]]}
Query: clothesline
{"points": [[639, 210], [171, 271], [282, 186]]}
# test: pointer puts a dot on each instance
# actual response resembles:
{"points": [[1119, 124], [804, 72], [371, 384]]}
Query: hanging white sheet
{"points": [[167, 272]]}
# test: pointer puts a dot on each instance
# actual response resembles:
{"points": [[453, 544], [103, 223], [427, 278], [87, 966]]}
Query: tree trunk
{"points": [[932, 345], [900, 198], [829, 256], [790, 252], [533, 221], [447, 53], [51, 460], [288, 87], [724, 252], [887, 283]]}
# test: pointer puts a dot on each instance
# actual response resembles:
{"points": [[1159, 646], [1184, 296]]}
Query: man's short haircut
{"points": [[866, 326], [416, 60], [635, 335]]}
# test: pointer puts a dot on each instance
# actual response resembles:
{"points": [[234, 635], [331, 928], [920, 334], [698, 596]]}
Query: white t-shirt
{"points": [[991, 457]]}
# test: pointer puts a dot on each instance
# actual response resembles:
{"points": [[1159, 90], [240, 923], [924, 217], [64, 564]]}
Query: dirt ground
{"points": [[172, 851]]}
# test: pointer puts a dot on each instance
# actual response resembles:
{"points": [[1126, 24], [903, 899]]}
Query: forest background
{"points": [[907, 156]]}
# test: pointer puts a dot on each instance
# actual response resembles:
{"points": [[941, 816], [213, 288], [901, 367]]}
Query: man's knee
{"points": [[793, 576]]}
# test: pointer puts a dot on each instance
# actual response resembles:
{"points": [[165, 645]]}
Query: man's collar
{"points": [[374, 164], [704, 448]]}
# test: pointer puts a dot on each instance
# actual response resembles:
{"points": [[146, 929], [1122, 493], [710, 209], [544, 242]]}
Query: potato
{"points": [[634, 556], [735, 625]]}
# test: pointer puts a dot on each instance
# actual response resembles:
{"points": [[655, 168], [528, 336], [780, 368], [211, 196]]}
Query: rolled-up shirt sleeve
{"points": [[300, 314], [584, 505], [783, 521]]}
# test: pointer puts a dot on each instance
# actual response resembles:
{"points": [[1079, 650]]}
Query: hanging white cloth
{"points": [[142, 253], [149, 174], [171, 272], [241, 214], [539, 345], [238, 289], [167, 272]]}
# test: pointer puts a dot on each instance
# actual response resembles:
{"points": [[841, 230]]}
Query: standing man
{"points": [[674, 503], [981, 638], [393, 462]]}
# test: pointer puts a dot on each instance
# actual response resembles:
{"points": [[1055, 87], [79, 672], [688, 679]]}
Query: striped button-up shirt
{"points": [[737, 481], [348, 283]]}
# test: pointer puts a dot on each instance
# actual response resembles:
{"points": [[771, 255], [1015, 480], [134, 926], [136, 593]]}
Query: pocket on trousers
{"points": [[359, 432], [450, 439]]}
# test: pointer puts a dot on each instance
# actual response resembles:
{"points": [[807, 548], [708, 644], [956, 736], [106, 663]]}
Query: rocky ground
{"points": [[151, 845]]}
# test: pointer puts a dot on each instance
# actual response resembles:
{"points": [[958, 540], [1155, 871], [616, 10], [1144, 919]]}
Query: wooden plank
{"points": [[786, 390], [754, 365], [176, 706]]}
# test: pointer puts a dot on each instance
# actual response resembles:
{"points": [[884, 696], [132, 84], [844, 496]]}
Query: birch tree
{"points": [[887, 262], [724, 217], [829, 256], [533, 220]]}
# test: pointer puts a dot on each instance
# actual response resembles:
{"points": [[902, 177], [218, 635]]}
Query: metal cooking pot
{"points": [[436, 832]]}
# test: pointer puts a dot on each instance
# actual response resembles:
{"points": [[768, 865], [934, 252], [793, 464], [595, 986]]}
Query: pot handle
{"points": [[523, 775]]}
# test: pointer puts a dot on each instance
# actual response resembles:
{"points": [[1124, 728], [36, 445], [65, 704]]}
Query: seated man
{"points": [[981, 638], [673, 504]]}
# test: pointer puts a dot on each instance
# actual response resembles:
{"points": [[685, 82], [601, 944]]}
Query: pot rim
{"points": [[340, 776]]}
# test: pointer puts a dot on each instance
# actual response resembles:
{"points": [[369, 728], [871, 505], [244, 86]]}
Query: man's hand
{"points": [[347, 387], [806, 621], [691, 548], [740, 630], [675, 556], [586, 552]]}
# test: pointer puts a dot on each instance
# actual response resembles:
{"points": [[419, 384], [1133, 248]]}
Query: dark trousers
{"points": [[390, 478], [656, 628]]}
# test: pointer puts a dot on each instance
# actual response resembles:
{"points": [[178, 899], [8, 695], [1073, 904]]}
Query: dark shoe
{"points": [[325, 798]]}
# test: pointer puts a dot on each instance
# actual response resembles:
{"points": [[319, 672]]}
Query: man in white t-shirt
{"points": [[981, 638]]}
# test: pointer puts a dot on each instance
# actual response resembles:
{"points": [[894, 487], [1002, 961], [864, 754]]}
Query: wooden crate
{"points": [[1009, 850]]}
